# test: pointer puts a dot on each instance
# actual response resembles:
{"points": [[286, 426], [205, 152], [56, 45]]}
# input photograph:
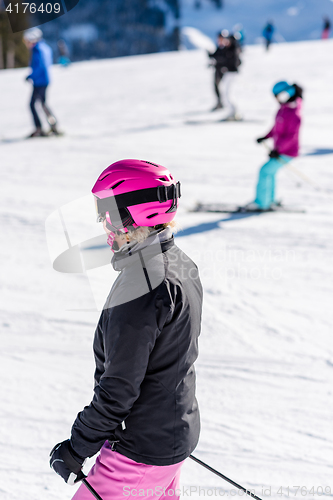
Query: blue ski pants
{"points": [[266, 183]]}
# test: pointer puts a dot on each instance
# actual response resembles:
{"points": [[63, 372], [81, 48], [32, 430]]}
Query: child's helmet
{"points": [[136, 193], [284, 91]]}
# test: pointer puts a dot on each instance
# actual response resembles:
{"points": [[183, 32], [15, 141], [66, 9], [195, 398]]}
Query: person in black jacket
{"points": [[144, 416], [227, 62]]}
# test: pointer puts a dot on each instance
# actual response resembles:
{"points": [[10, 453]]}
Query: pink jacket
{"points": [[286, 129]]}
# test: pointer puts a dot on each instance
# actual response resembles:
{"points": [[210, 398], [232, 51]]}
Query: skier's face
{"points": [[223, 42], [105, 228], [29, 45], [119, 238], [282, 97]]}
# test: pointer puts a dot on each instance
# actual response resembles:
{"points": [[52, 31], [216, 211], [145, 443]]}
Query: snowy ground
{"points": [[265, 371]]}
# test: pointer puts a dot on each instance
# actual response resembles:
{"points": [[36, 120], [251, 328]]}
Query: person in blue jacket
{"points": [[41, 60], [267, 33]]}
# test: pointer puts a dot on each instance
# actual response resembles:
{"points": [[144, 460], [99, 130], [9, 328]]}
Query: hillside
{"points": [[106, 29], [294, 20]]}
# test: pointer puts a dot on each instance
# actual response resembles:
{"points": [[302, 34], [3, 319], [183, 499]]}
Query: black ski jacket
{"points": [[227, 57], [145, 345]]}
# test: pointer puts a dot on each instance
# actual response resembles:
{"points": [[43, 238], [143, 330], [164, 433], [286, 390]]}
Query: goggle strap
{"points": [[160, 194]]}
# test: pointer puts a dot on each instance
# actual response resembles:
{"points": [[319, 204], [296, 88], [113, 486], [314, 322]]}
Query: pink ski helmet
{"points": [[136, 193]]}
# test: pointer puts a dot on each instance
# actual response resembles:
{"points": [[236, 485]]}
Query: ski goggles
{"points": [[117, 220], [114, 209]]}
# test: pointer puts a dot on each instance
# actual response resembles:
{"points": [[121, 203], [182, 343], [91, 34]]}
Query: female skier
{"points": [[285, 134], [144, 416]]}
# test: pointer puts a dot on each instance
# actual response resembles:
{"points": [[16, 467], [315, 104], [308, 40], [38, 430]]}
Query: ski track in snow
{"points": [[265, 371]]}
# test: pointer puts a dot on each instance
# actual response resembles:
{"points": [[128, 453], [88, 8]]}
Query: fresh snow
{"points": [[265, 370], [192, 38]]}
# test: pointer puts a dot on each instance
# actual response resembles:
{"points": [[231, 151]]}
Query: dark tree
{"points": [[13, 53], [218, 3], [124, 27]]}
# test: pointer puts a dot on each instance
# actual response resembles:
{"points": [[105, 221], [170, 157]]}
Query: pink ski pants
{"points": [[116, 477]]}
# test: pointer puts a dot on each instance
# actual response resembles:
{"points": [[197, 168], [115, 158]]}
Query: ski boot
{"points": [[219, 105], [276, 204], [37, 133], [53, 126], [54, 131], [252, 207], [236, 117]]}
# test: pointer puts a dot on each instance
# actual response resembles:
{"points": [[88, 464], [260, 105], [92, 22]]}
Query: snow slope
{"points": [[265, 370], [294, 19]]}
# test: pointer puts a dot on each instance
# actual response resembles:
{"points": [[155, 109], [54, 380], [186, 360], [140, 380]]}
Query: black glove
{"points": [[65, 462], [274, 154], [261, 139]]}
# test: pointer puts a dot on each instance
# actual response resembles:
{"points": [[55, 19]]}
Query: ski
{"points": [[236, 118], [236, 209], [213, 117], [55, 134], [9, 140]]}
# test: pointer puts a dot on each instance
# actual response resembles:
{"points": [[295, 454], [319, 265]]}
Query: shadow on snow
{"points": [[320, 151], [209, 226]]}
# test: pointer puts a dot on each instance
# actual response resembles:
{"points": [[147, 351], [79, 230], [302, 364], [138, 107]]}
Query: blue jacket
{"points": [[40, 63], [268, 31]]}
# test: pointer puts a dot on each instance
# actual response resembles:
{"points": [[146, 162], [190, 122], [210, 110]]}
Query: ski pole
{"points": [[304, 177], [91, 489], [296, 171], [248, 492]]}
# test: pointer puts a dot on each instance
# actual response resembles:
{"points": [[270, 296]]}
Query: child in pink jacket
{"points": [[285, 134]]}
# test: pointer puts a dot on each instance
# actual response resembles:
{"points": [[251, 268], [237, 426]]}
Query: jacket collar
{"points": [[157, 242]]}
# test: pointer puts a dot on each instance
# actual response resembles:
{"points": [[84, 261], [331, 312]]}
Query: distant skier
{"points": [[64, 58], [41, 60], [239, 34], [268, 33], [227, 62], [326, 28], [144, 417], [285, 135]]}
